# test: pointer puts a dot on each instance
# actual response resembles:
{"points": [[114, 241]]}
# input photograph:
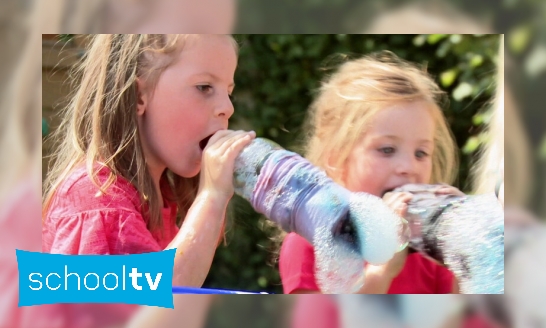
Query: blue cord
{"points": [[193, 290]]}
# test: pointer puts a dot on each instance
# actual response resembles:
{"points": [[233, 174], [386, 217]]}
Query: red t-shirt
{"points": [[79, 221], [419, 275]]}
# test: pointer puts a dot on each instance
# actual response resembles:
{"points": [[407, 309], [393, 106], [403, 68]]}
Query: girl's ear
{"points": [[142, 97]]}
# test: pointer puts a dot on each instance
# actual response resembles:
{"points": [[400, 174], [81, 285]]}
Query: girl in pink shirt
{"points": [[144, 149]]}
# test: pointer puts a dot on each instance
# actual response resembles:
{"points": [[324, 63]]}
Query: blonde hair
{"points": [[20, 96], [350, 98], [489, 166], [100, 123]]}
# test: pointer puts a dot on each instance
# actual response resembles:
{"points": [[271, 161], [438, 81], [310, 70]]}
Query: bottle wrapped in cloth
{"points": [[464, 233], [345, 228]]}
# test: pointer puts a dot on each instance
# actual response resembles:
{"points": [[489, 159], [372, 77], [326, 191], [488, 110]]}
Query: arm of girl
{"points": [[198, 237], [191, 310], [379, 277]]}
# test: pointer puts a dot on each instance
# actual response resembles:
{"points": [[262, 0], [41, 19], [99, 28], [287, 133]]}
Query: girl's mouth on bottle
{"points": [[203, 143]]}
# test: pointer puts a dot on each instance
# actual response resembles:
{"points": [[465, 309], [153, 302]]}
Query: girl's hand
{"points": [[446, 189], [379, 277], [218, 161], [398, 202]]}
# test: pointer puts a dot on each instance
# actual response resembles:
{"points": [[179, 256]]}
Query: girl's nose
{"points": [[225, 109], [407, 166]]}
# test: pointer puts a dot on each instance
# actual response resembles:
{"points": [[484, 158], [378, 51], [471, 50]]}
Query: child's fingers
{"points": [[237, 146], [220, 138], [234, 142], [398, 202], [401, 209], [393, 200], [392, 197], [448, 190]]}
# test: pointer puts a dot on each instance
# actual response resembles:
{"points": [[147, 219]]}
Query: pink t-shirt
{"points": [[21, 228], [418, 276], [79, 221]]}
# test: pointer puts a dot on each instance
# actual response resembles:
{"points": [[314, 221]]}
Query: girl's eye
{"points": [[387, 150], [205, 88], [421, 154], [231, 98]]}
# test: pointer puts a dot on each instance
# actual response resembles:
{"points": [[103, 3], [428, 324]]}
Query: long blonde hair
{"points": [[100, 122], [350, 98]]}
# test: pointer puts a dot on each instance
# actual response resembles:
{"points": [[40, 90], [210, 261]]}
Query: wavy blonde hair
{"points": [[348, 101], [100, 122]]}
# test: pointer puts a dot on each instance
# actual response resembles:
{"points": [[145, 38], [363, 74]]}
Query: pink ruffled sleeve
{"points": [[82, 220], [109, 231]]}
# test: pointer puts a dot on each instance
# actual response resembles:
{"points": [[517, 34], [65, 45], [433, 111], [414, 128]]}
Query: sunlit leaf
{"points": [[455, 38], [448, 77], [419, 40], [443, 49], [518, 38], [434, 38], [535, 63], [471, 145], [478, 119], [476, 60], [462, 91], [262, 281]]}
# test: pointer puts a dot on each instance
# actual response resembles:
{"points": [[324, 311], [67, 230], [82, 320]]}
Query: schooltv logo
{"points": [[144, 279]]}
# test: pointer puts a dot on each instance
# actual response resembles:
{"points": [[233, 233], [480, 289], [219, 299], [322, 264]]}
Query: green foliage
{"points": [[276, 78]]}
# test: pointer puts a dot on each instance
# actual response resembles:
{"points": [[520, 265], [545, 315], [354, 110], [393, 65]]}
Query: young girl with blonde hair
{"points": [[376, 125], [145, 150]]}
